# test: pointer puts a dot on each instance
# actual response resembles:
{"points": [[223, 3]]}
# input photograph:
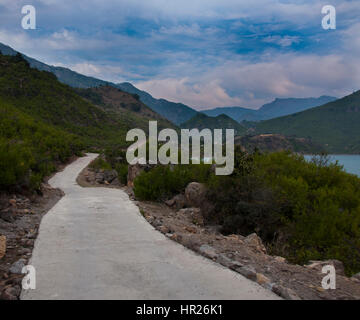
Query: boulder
{"points": [[254, 241], [318, 265], [11, 293], [99, 177], [195, 194], [2, 246], [17, 267], [285, 293], [356, 277], [7, 215], [110, 175], [178, 202], [247, 272], [208, 251]]}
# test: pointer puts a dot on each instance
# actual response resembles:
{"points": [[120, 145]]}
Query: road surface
{"points": [[94, 244]]}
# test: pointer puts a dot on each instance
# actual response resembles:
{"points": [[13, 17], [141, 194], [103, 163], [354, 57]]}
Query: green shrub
{"points": [[122, 170], [100, 164], [165, 181], [302, 210]]}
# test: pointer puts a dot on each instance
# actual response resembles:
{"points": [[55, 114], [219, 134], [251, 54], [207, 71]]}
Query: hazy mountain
{"points": [[283, 107], [222, 121], [277, 108], [236, 113], [336, 125], [175, 112]]}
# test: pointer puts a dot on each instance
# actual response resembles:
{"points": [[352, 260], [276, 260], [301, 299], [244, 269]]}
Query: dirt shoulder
{"points": [[20, 218]]}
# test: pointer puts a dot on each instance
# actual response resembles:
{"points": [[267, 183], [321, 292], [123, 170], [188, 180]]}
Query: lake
{"points": [[351, 163]]}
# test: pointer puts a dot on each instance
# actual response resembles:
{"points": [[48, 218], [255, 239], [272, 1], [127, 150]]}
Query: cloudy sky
{"points": [[204, 53]]}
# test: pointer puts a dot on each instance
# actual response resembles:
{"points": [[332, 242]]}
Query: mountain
{"points": [[236, 113], [277, 108], [128, 106], [283, 107], [175, 112], [278, 142], [222, 121], [335, 125]]}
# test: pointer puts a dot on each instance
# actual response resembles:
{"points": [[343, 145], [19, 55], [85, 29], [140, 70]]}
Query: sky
{"points": [[203, 53]]}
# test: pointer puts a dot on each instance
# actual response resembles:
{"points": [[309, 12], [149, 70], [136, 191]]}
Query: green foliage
{"points": [[165, 181], [302, 210], [30, 149], [100, 164], [122, 170]]}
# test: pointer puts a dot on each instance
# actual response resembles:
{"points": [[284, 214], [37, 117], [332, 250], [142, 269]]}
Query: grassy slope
{"points": [[335, 125]]}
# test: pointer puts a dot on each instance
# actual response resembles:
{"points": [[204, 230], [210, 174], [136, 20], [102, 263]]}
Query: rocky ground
{"points": [[20, 217], [180, 220]]}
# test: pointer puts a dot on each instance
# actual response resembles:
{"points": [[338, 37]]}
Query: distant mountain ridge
{"points": [[175, 112], [277, 108], [222, 121], [335, 125]]}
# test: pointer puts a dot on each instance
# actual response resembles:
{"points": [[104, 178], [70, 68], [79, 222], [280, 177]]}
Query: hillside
{"points": [[202, 121], [44, 122], [175, 112], [236, 113], [277, 108], [124, 105], [334, 125], [276, 143]]}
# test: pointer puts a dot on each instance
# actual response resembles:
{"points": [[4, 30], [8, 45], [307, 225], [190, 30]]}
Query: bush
{"points": [[122, 170], [163, 182], [302, 210]]}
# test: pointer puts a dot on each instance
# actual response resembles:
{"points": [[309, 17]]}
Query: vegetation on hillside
{"points": [[334, 125], [30, 149]]}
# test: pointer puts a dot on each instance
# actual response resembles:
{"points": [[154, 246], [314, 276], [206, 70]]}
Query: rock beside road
{"points": [[195, 194]]}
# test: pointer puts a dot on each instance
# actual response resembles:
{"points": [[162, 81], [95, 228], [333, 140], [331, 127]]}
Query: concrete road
{"points": [[94, 244]]}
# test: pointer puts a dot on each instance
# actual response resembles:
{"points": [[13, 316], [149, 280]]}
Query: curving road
{"points": [[94, 244]]}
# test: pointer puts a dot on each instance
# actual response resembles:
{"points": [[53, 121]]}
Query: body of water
{"points": [[351, 163]]}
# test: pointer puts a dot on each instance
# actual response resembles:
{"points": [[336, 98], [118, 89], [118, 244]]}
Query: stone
{"points": [[11, 293], [177, 202], [99, 177], [285, 293], [227, 262], [17, 266], [7, 216], [261, 279], [356, 277], [2, 246], [110, 175], [247, 272], [195, 214], [208, 251], [280, 259], [195, 194], [254, 241], [164, 229], [318, 265]]}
